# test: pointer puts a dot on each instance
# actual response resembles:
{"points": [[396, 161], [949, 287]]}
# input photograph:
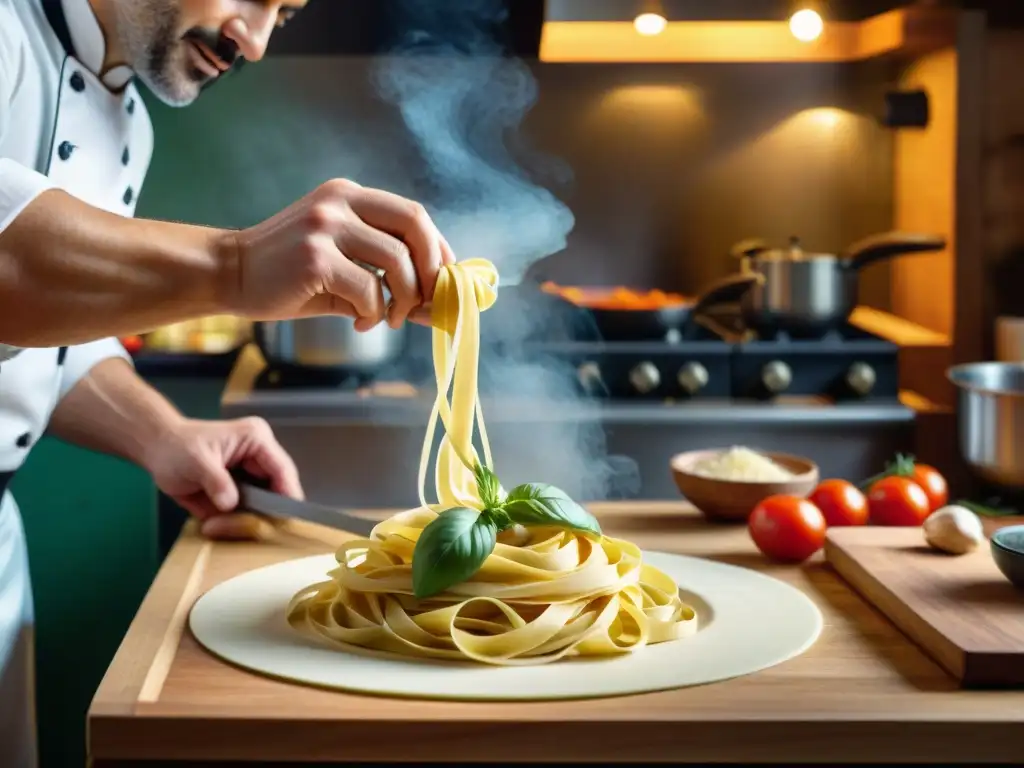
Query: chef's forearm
{"points": [[71, 273], [112, 410]]}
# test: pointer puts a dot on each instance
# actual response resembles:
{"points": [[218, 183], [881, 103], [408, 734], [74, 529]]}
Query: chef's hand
{"points": [[191, 464], [299, 263]]}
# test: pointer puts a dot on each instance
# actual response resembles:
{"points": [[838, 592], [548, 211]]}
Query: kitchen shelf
{"points": [[903, 32], [897, 329]]}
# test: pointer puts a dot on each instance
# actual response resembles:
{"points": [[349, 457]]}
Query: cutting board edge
{"points": [[950, 656]]}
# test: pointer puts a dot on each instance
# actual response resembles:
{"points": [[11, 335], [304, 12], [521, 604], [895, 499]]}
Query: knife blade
{"points": [[255, 496]]}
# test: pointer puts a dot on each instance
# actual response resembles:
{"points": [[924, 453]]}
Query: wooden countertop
{"points": [[862, 693]]}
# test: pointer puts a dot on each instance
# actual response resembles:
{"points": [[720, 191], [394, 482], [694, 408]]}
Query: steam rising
{"points": [[462, 101]]}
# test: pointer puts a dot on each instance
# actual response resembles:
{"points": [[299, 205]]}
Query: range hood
{"points": [[714, 10], [737, 31], [601, 30], [372, 27]]}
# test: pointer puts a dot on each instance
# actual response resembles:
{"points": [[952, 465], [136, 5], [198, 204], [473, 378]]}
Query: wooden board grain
{"points": [[863, 693], [961, 610]]}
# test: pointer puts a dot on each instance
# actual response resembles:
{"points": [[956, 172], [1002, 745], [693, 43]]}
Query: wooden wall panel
{"points": [[924, 176], [1003, 180]]}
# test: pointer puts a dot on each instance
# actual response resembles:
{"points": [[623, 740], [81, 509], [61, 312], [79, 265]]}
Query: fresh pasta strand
{"points": [[543, 593]]}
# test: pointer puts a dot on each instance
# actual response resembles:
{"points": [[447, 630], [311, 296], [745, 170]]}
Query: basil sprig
{"points": [[488, 486], [454, 546]]}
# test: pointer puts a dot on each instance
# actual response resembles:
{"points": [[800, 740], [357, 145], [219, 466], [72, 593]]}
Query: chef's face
{"points": [[179, 47]]}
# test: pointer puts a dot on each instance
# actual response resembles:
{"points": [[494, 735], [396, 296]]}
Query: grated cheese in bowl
{"points": [[742, 464]]}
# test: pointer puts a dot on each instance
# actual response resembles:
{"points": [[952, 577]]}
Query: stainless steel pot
{"points": [[811, 292], [990, 417], [329, 342]]}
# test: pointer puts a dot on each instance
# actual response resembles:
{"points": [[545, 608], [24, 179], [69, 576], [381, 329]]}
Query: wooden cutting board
{"points": [[863, 693], [959, 609]]}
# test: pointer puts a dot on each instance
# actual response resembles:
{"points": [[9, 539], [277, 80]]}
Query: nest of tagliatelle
{"points": [[542, 594]]}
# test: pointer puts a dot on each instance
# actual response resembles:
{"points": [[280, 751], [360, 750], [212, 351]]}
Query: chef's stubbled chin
{"points": [[557, 589]]}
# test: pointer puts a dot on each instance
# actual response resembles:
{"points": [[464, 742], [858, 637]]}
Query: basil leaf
{"points": [[488, 486], [499, 517], [450, 550], [539, 504]]}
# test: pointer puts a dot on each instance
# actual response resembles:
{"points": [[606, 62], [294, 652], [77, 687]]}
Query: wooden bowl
{"points": [[734, 500]]}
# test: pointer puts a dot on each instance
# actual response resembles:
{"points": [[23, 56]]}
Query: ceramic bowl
{"points": [[734, 500], [1007, 546]]}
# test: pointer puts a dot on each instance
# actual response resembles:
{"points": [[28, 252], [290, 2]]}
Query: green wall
{"points": [[90, 521]]}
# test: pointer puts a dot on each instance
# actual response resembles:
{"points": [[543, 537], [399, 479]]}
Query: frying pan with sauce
{"points": [[622, 314]]}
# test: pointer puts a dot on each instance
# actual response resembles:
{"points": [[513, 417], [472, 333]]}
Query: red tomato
{"points": [[840, 502], [787, 528], [132, 344], [898, 501], [933, 484]]}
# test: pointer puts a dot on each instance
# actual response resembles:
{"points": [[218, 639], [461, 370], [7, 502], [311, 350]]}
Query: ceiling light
{"points": [[806, 25], [650, 24]]}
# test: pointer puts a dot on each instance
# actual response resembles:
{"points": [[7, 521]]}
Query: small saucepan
{"points": [[621, 314], [811, 293]]}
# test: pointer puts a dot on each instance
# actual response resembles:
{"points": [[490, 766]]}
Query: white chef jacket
{"points": [[65, 125]]}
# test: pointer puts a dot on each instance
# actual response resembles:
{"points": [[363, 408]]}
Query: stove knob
{"points": [[693, 377], [645, 378], [589, 375], [861, 378], [776, 377]]}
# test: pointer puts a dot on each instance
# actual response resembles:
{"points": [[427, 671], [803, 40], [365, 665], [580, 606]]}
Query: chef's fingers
{"points": [[216, 525], [421, 316], [447, 254], [327, 304], [198, 505], [377, 248], [271, 461], [357, 286], [219, 487], [240, 526], [408, 221]]}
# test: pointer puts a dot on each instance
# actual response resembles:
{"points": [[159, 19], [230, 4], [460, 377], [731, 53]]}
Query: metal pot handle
{"points": [[747, 248], [890, 244], [731, 288]]}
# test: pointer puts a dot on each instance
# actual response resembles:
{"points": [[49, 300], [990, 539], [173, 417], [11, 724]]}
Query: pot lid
{"points": [[793, 251]]}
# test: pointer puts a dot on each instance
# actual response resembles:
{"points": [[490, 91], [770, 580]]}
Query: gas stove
{"points": [[599, 420], [711, 362], [845, 364], [697, 365]]}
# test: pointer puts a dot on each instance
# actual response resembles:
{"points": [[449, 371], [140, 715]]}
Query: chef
{"points": [[77, 269]]}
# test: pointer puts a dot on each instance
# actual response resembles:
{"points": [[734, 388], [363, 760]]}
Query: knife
{"points": [[255, 496]]}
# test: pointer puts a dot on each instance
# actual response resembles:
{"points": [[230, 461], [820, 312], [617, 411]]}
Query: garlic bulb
{"points": [[954, 529]]}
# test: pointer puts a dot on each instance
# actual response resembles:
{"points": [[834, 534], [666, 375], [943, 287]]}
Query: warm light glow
{"points": [[650, 24], [668, 99], [806, 25], [826, 117], [738, 41]]}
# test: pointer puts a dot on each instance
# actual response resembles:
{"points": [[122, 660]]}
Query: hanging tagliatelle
{"points": [[523, 576]]}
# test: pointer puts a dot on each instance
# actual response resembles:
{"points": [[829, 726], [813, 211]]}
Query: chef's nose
{"points": [[251, 31]]}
